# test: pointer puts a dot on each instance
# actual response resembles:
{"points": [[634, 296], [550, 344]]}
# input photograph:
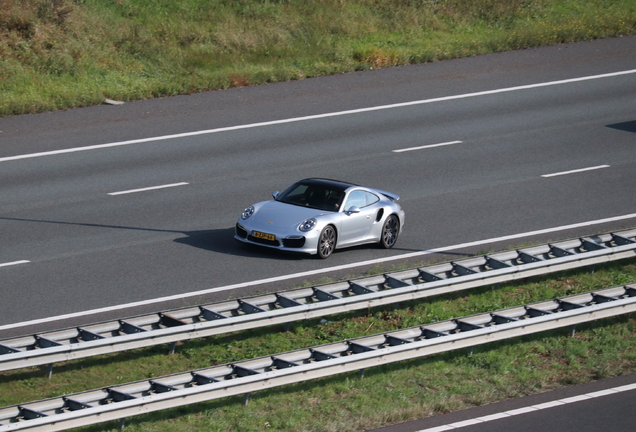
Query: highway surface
{"points": [[136, 203]]}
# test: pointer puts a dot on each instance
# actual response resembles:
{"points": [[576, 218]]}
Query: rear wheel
{"points": [[390, 232], [326, 242]]}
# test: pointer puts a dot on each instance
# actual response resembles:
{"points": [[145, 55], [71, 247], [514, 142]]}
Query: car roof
{"points": [[332, 184]]}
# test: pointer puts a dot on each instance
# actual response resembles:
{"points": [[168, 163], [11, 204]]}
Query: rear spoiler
{"points": [[389, 195]]}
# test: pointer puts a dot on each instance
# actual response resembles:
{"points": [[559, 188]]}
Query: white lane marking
{"points": [[148, 188], [533, 408], [575, 171], [550, 404], [426, 146], [320, 116], [315, 272], [578, 398], [14, 263], [494, 417]]}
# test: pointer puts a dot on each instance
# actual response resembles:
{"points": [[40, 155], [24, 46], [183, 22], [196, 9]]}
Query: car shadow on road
{"points": [[629, 126], [223, 241]]}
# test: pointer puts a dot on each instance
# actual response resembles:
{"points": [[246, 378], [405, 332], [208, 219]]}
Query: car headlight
{"points": [[307, 225], [247, 212]]}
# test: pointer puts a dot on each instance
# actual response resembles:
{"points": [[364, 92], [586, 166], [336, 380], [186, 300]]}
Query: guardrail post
{"points": [[287, 327], [572, 330], [246, 399], [173, 347], [361, 374], [49, 371], [122, 423], [470, 351]]}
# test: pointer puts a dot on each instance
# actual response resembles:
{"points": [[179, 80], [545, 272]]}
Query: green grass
{"points": [[57, 54], [387, 394]]}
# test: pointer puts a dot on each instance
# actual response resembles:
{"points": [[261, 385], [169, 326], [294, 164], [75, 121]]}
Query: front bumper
{"points": [[292, 243]]}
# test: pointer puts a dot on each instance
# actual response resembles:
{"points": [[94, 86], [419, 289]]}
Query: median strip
{"points": [[261, 373]]}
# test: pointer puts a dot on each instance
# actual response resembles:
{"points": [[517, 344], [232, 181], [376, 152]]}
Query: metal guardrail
{"points": [[117, 402], [312, 302]]}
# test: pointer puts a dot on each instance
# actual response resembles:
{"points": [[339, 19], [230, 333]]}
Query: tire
{"points": [[326, 242], [390, 232]]}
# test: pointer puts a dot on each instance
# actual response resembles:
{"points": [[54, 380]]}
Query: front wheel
{"points": [[326, 242], [390, 232]]}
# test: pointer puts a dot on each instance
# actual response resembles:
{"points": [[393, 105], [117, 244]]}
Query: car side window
{"points": [[356, 198], [371, 198], [359, 198]]}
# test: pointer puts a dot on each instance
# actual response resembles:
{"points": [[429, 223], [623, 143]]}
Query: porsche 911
{"points": [[317, 216]]}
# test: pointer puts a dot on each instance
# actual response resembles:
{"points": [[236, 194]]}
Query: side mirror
{"points": [[275, 194], [352, 209]]}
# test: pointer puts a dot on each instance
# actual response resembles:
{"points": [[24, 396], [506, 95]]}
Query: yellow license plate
{"points": [[265, 236]]}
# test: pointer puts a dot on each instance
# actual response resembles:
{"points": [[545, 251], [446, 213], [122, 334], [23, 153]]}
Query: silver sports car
{"points": [[317, 216]]}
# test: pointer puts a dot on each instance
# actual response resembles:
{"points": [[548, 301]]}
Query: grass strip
{"points": [[58, 54]]}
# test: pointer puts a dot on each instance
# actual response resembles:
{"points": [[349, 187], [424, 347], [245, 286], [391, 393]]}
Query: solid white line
{"points": [[320, 116], [426, 146], [496, 416], [520, 411], [626, 387], [470, 422], [315, 272], [578, 398], [575, 171], [148, 188], [602, 393], [14, 263], [550, 404], [533, 408]]}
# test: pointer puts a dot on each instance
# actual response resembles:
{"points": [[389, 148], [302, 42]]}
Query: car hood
{"points": [[276, 213]]}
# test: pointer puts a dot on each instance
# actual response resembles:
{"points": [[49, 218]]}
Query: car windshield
{"points": [[314, 195]]}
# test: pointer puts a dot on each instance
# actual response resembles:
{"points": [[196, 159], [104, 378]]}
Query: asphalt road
{"points": [[74, 243]]}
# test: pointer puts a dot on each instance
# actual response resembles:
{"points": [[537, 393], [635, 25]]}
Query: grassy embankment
{"points": [[57, 54], [387, 394]]}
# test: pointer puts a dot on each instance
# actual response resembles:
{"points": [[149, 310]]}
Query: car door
{"points": [[355, 226]]}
